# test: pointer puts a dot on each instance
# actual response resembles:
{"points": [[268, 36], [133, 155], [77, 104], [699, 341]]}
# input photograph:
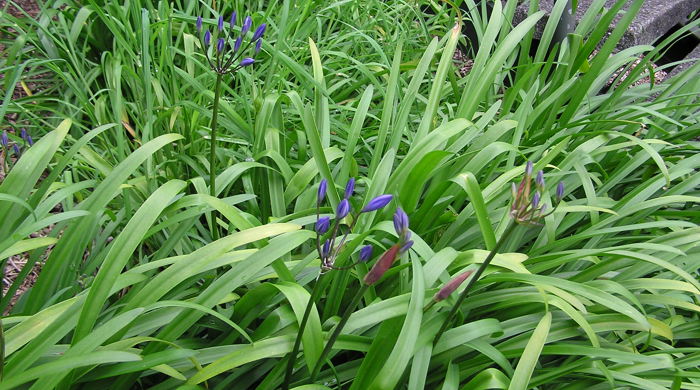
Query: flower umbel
{"points": [[230, 54], [527, 210], [329, 252]]}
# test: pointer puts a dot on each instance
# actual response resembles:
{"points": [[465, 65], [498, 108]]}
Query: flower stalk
{"points": [[212, 149]]}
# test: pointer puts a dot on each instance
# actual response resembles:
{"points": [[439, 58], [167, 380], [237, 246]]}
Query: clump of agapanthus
{"points": [[529, 210], [328, 251], [231, 52]]}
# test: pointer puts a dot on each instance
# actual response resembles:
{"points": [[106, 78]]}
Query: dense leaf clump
{"points": [[185, 231]]}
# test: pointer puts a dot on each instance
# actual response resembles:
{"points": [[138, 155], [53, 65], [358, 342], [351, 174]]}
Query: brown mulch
{"points": [[16, 263]]}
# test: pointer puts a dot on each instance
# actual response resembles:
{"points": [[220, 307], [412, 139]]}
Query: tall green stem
{"points": [[337, 330], [473, 280], [297, 343], [212, 149]]}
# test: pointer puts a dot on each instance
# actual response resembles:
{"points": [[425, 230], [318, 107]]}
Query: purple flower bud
{"points": [[232, 21], [259, 32], [23, 133], [377, 203], [350, 188], [535, 200], [539, 180], [15, 148], [220, 45], [258, 45], [543, 208], [4, 140], [30, 141], [405, 247], [528, 168], [237, 44], [560, 190], [400, 221], [365, 253], [247, 23], [323, 224], [220, 23], [199, 24], [246, 61], [207, 38], [382, 265], [326, 250], [322, 187], [451, 286], [343, 209]]}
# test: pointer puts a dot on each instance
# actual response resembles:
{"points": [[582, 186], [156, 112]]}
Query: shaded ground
{"points": [[15, 264]]}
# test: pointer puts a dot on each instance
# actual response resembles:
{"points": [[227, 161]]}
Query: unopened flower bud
{"points": [[220, 23], [258, 46], [560, 191], [539, 180], [377, 203], [199, 24], [322, 187], [246, 62], [382, 265], [400, 221], [528, 168], [350, 188], [535, 200], [365, 253], [220, 45], [326, 250], [323, 224], [4, 140], [247, 23], [343, 209], [451, 286], [259, 32], [207, 38]]}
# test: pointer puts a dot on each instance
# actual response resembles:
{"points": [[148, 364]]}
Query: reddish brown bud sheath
{"points": [[382, 265], [451, 286]]}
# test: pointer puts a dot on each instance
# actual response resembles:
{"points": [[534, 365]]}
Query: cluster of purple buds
{"points": [[16, 149], [231, 53], [527, 210], [328, 252]]}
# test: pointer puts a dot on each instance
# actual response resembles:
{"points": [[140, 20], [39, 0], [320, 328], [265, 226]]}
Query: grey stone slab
{"points": [[654, 19]]}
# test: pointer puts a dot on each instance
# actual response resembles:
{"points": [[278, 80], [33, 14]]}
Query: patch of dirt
{"points": [[18, 8], [15, 264], [463, 63]]}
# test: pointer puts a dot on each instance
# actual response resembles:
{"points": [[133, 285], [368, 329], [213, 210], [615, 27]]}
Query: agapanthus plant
{"points": [[226, 53], [330, 243]]}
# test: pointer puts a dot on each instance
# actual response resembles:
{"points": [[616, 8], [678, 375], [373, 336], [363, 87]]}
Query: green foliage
{"points": [[135, 291]]}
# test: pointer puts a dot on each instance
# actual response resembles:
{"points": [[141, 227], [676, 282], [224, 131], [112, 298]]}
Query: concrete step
{"points": [[655, 18]]}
